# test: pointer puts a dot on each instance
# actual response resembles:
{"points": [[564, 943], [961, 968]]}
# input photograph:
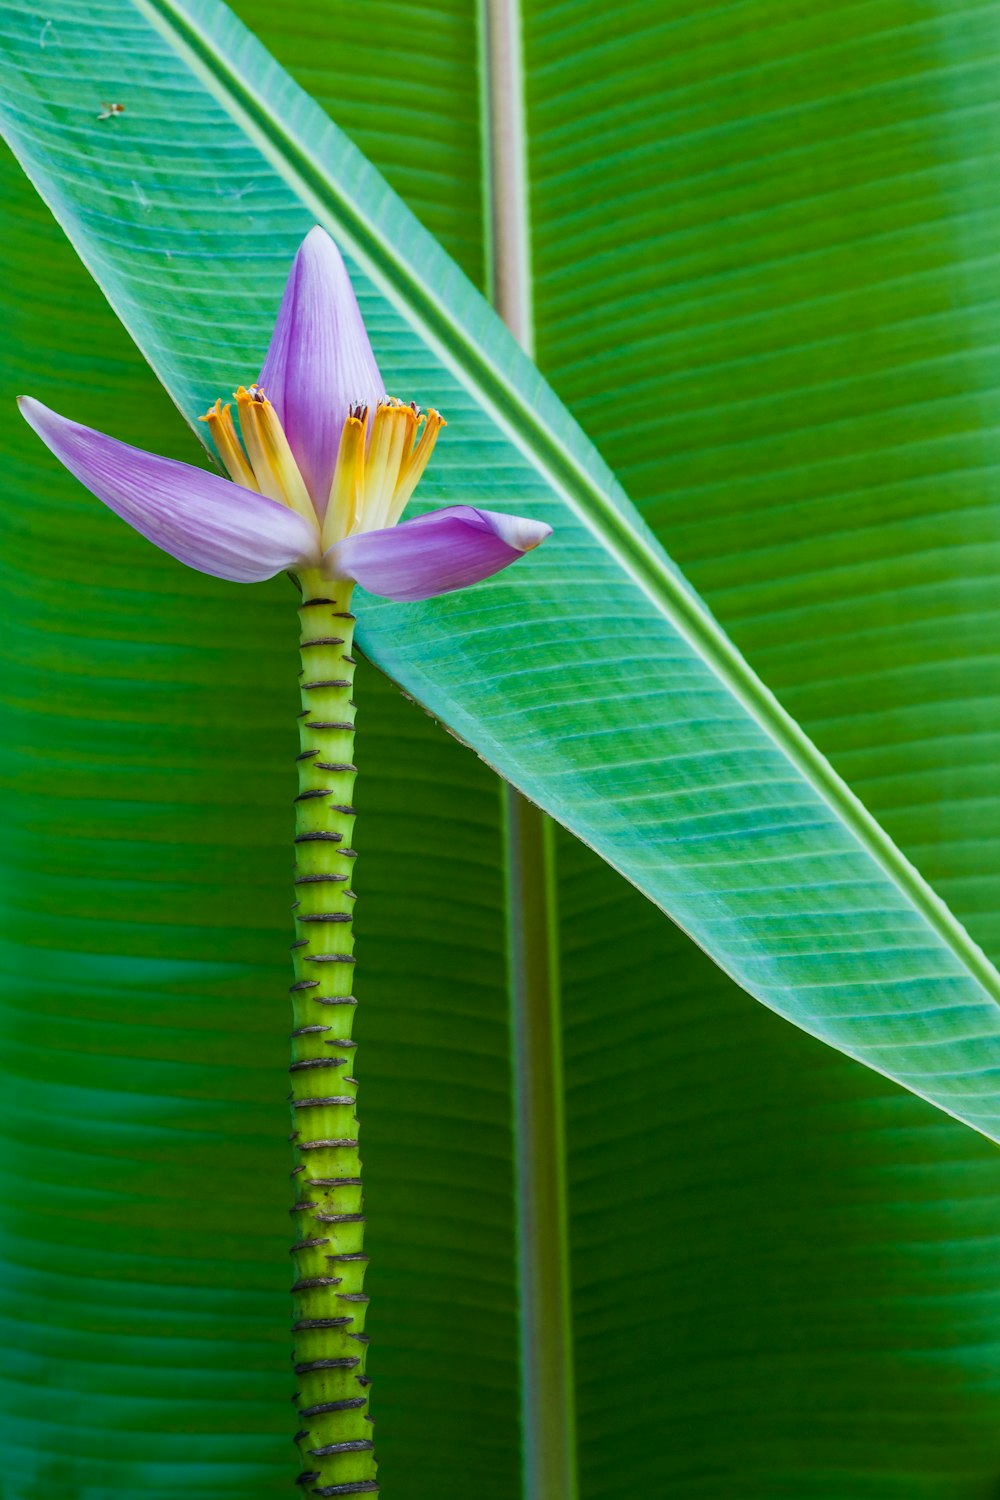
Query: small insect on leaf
{"points": [[108, 111]]}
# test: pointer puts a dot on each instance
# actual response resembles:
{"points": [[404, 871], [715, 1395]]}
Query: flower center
{"points": [[379, 461]]}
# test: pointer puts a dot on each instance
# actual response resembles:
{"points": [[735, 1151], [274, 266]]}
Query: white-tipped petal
{"points": [[434, 554]]}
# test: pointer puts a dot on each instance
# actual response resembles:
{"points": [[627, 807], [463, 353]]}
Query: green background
{"points": [[764, 273]]}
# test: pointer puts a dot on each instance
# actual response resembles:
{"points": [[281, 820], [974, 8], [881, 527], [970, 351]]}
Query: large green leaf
{"points": [[797, 206], [592, 677], [699, 1215]]}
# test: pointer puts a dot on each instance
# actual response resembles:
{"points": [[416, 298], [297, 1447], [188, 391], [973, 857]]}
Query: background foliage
{"points": [[792, 1286]]}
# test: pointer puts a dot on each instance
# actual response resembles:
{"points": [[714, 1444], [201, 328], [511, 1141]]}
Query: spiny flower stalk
{"points": [[328, 1324], [321, 465]]}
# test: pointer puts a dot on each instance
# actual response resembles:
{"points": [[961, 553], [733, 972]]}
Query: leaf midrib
{"points": [[629, 544], [548, 1386]]}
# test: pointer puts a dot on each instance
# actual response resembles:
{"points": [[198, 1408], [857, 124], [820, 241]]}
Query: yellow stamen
{"points": [[274, 465], [392, 438], [414, 465], [228, 447], [343, 509]]}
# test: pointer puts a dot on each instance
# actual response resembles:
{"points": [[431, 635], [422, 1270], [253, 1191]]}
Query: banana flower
{"points": [[320, 471]]}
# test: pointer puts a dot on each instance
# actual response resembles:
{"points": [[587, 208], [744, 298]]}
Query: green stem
{"points": [[329, 1303], [548, 1420], [548, 1400]]}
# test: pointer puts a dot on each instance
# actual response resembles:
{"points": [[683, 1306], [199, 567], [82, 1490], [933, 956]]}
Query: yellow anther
{"points": [[343, 509], [414, 465], [273, 462], [228, 447], [392, 438], [378, 463]]}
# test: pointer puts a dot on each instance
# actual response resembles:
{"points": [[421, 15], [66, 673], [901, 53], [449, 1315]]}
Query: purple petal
{"points": [[434, 554], [320, 361], [205, 521]]}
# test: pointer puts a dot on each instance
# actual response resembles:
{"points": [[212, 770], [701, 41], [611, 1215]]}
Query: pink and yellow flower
{"points": [[321, 465]]}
